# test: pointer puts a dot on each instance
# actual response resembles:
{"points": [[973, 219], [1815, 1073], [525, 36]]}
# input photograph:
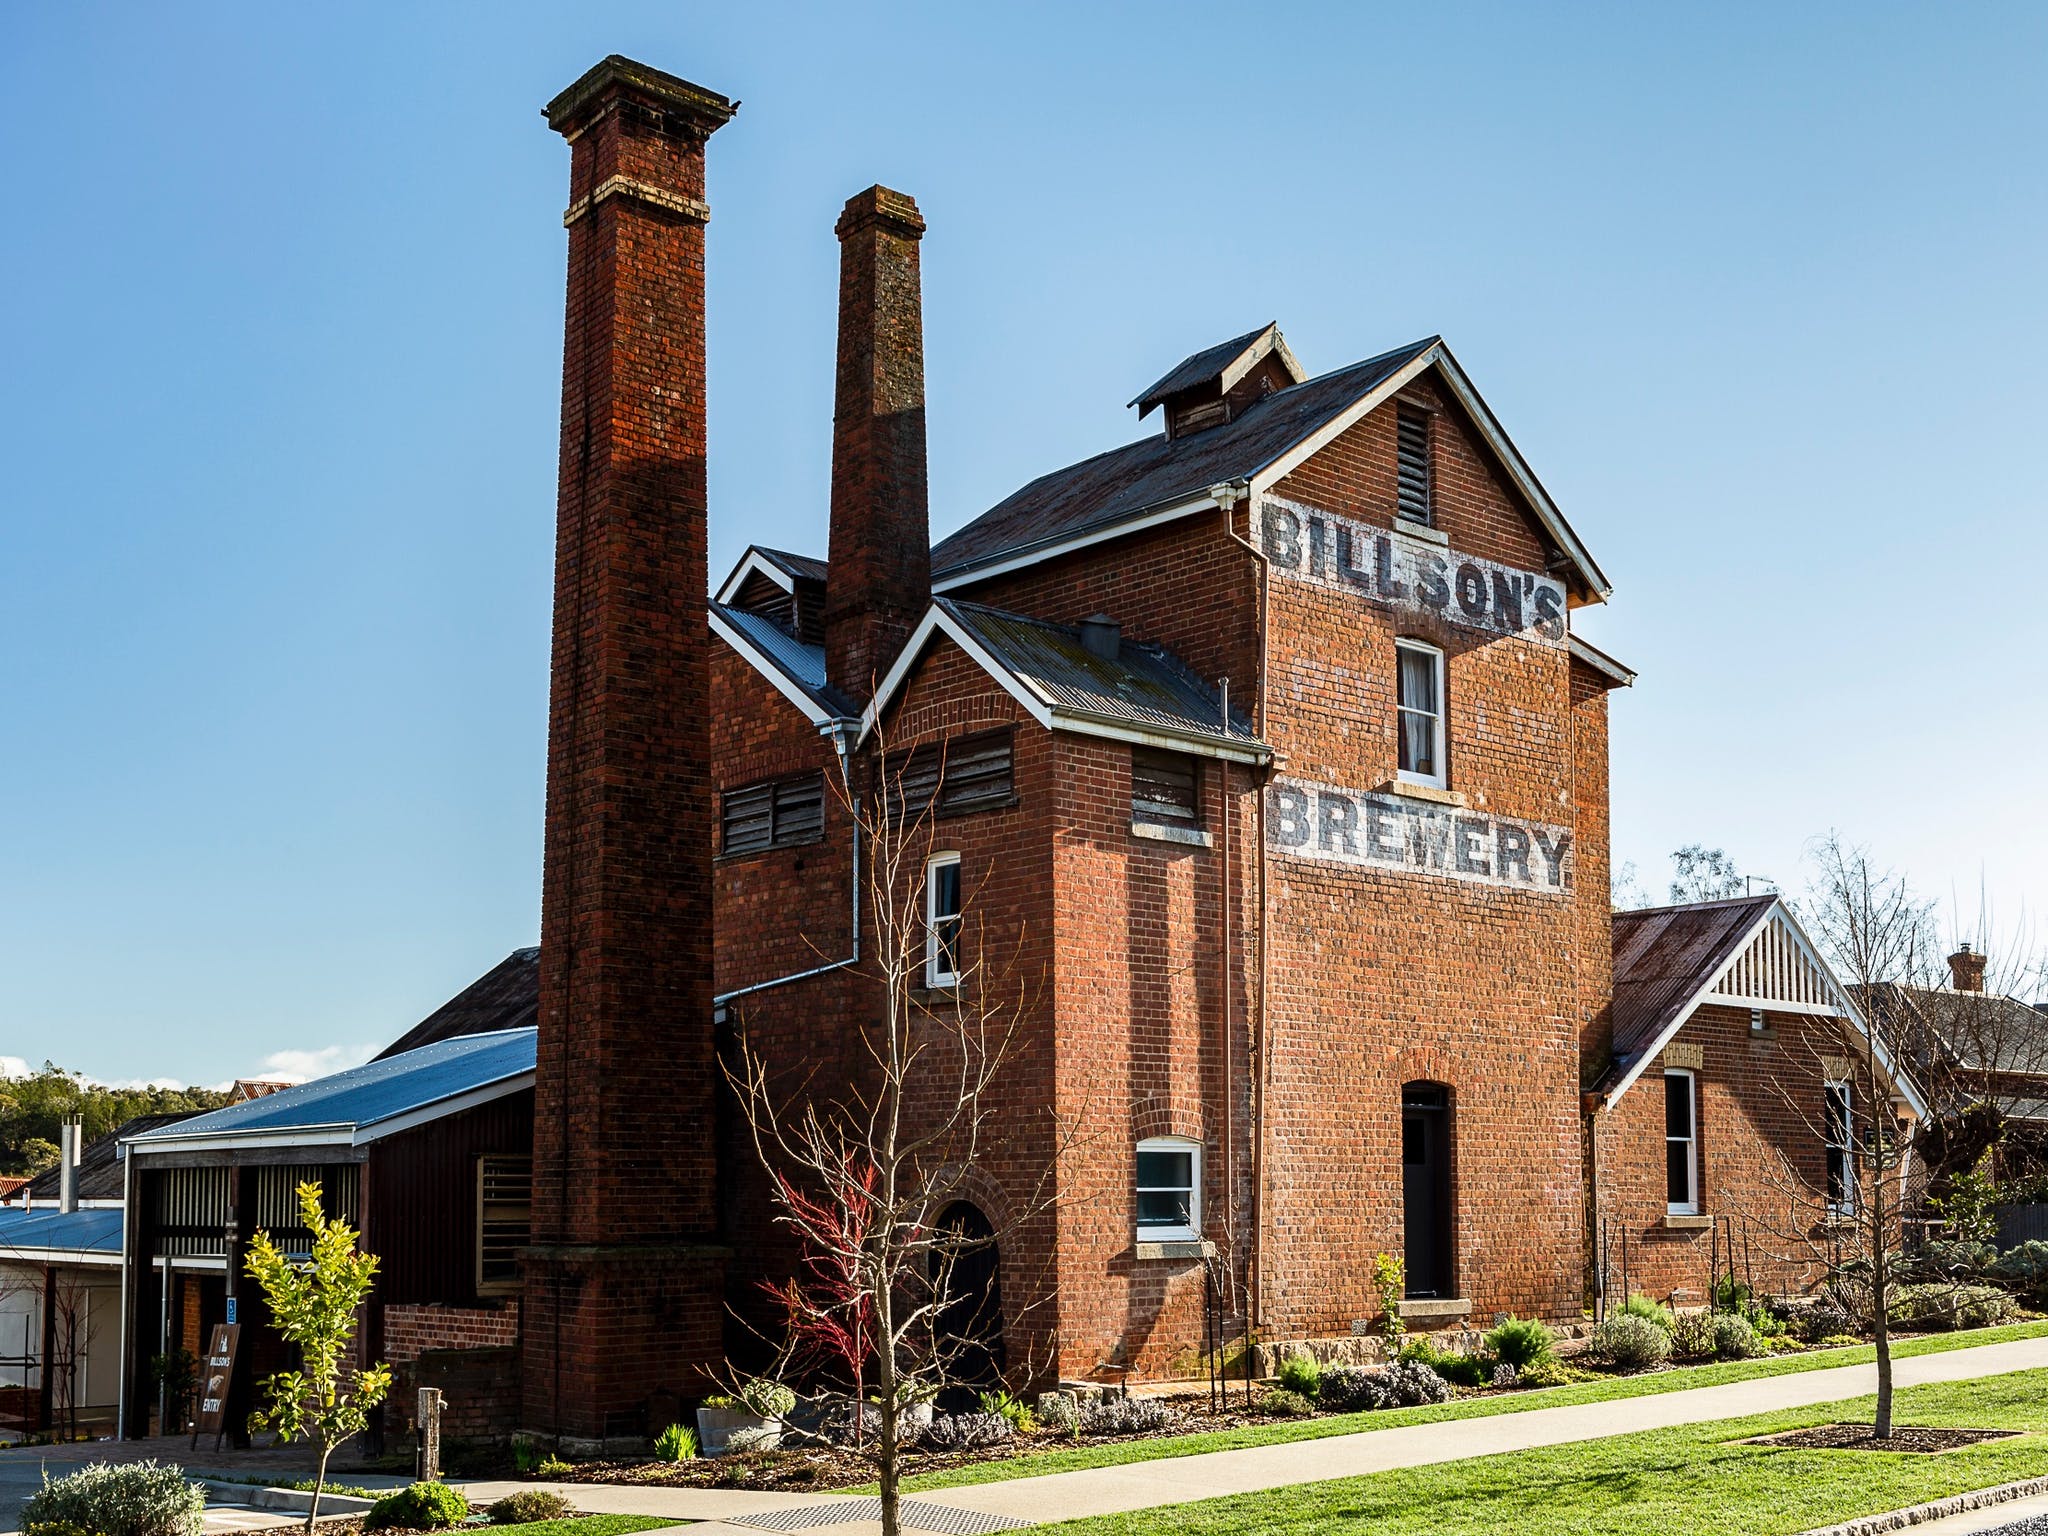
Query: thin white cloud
{"points": [[145, 1082], [13, 1066], [299, 1066]]}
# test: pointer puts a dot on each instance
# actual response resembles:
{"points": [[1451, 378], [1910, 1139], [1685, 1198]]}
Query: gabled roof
{"points": [[1145, 695], [1225, 363], [1159, 478], [797, 670], [1979, 1031], [507, 996], [1601, 662], [778, 565], [366, 1103], [47, 1235], [1749, 952], [99, 1169]]}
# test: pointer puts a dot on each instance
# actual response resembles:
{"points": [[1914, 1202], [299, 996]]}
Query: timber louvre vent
{"points": [[915, 1514], [1411, 452], [779, 814]]}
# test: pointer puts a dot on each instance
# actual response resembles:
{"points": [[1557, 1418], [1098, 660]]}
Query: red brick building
{"points": [[1263, 743], [1721, 1119]]}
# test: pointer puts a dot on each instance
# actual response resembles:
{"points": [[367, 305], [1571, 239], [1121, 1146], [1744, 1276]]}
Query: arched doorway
{"points": [[1426, 1189], [969, 1326]]}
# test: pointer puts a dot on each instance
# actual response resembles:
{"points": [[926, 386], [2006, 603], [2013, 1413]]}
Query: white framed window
{"points": [[1838, 1120], [1419, 695], [1169, 1190], [942, 920], [1681, 1143]]}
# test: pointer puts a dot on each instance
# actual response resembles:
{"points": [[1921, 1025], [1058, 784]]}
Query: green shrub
{"points": [[1543, 1373], [1631, 1343], [553, 1466], [1692, 1335], [1004, 1406], [1520, 1341], [1464, 1370], [527, 1506], [1836, 1341], [1639, 1305], [420, 1507], [1948, 1306], [144, 1498], [1302, 1374], [766, 1399], [2025, 1270], [1279, 1403], [1735, 1339], [1390, 1282], [676, 1443], [1784, 1344], [1955, 1259]]}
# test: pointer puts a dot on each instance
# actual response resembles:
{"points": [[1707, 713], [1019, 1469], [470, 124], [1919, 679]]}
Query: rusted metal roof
{"points": [[1157, 471], [1664, 957], [1143, 685], [1199, 367]]}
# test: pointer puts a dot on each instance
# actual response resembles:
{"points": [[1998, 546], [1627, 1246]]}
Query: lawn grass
{"points": [[1119, 1453], [588, 1525], [1701, 1479]]}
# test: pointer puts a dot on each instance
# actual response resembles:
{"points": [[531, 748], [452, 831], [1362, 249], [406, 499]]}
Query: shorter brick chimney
{"points": [[880, 579], [1966, 969]]}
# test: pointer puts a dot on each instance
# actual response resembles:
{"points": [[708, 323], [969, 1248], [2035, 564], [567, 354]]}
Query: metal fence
{"points": [[2021, 1224]]}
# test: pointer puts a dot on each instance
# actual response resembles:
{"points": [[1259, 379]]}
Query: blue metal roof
{"points": [[366, 1096], [802, 664], [96, 1231]]}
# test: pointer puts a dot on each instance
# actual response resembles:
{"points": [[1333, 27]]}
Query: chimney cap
{"points": [[880, 205], [615, 75]]}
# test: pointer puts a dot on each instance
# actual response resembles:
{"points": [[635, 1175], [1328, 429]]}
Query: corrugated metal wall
{"points": [[422, 1216]]}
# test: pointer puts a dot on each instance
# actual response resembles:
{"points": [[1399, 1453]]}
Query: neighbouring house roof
{"points": [[366, 1103], [1158, 478], [795, 669], [507, 996], [257, 1087], [99, 1167], [1144, 694], [1749, 952], [1225, 363], [45, 1235], [780, 566], [1980, 1031]]}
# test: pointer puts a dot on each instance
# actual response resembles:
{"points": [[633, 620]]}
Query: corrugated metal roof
{"points": [[96, 1231], [1663, 957], [1198, 367], [802, 567], [802, 664], [507, 996], [1115, 486], [1144, 685], [1982, 1031], [365, 1096]]}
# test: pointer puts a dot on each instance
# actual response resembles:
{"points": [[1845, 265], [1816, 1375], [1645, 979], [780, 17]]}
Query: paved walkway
{"points": [[1217, 1474]]}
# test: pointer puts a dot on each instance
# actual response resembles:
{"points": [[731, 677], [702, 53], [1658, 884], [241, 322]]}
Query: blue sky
{"points": [[1757, 289]]}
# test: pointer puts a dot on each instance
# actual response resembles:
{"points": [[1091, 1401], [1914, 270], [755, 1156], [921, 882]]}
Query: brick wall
{"points": [[409, 1330], [1762, 1157]]}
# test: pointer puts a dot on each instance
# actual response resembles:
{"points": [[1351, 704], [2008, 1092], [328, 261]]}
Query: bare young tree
{"points": [[1851, 1223], [863, 1168]]}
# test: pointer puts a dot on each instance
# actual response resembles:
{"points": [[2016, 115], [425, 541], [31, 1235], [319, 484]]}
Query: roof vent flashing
{"points": [[1102, 636]]}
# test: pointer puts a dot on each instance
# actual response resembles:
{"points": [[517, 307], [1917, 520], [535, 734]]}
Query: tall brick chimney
{"points": [[623, 1285], [1966, 969], [880, 580]]}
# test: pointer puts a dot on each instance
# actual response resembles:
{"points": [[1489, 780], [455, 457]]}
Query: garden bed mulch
{"points": [[1912, 1438]]}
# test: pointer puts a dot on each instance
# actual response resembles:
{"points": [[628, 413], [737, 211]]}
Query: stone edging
{"points": [[292, 1500], [1940, 1509]]}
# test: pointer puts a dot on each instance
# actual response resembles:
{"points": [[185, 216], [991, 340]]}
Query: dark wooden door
{"points": [[1426, 1188]]}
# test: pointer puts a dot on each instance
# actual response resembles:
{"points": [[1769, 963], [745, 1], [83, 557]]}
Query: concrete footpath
{"points": [[1150, 1484]]}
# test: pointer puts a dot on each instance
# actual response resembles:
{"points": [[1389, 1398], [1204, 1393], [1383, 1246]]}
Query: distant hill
{"points": [[32, 1108]]}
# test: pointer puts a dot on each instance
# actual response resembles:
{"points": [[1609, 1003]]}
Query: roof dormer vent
{"points": [[1102, 636], [1219, 383]]}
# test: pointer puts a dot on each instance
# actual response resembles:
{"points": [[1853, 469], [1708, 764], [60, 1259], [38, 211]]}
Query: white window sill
{"points": [[1422, 531], [1161, 832], [1435, 794], [1174, 1248]]}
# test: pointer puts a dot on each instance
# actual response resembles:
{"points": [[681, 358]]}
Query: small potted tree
{"points": [[749, 1419]]}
